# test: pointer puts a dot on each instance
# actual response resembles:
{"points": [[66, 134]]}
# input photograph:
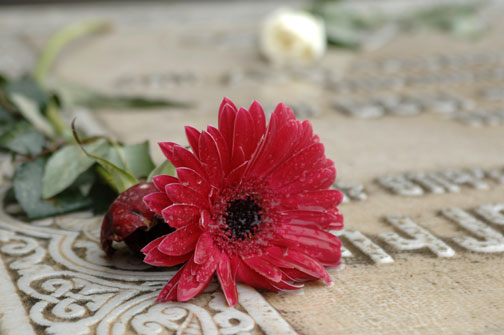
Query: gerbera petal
{"points": [[245, 274], [270, 257], [241, 170], [193, 135], [188, 285], [204, 248], [205, 220], [318, 179], [326, 253], [282, 114], [179, 215], [238, 157], [284, 285], [169, 291], [206, 269], [162, 180], [339, 221], [179, 193], [243, 135], [259, 119], [227, 280], [307, 265], [181, 241], [275, 147], [295, 168], [305, 137], [157, 202], [304, 231], [226, 101], [210, 158], [167, 149], [153, 244], [193, 180], [237, 174], [224, 150], [297, 276], [157, 258], [227, 115], [184, 158], [264, 268], [313, 200], [309, 218]]}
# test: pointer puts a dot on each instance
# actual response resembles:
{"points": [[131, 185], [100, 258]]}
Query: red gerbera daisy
{"points": [[250, 202]]}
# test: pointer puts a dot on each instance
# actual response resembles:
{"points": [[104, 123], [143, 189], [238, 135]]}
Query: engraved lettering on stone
{"points": [[394, 104], [400, 185], [365, 84], [359, 109], [345, 253], [480, 118], [431, 62], [156, 80], [303, 110], [493, 213], [493, 94], [490, 240], [432, 182], [263, 314], [364, 244], [438, 182], [351, 191], [470, 177], [421, 238], [495, 174]]}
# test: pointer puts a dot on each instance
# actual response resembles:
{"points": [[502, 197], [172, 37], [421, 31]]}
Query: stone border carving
{"points": [[64, 285]]}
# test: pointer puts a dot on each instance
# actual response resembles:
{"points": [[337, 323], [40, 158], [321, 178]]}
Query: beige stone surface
{"points": [[419, 293]]}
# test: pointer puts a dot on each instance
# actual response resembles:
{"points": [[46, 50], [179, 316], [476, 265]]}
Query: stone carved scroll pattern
{"points": [[57, 270]]}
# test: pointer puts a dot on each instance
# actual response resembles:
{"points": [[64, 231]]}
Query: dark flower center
{"points": [[242, 218]]}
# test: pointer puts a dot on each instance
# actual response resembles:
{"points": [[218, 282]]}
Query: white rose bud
{"points": [[292, 37]]}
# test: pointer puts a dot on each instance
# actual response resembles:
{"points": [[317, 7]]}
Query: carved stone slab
{"points": [[56, 280], [423, 239]]}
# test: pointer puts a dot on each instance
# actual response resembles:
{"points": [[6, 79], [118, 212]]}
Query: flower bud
{"points": [[128, 219]]}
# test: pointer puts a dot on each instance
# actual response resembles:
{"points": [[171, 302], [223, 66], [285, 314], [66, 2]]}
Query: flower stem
{"points": [[59, 40]]}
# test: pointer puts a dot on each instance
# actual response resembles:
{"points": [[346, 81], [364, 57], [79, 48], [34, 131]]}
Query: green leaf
{"points": [[98, 100], [23, 139], [5, 116], [86, 181], [166, 168], [133, 158], [29, 109], [6, 121], [28, 87], [119, 179], [3, 80], [81, 96], [67, 164], [27, 183], [102, 196], [55, 118]]}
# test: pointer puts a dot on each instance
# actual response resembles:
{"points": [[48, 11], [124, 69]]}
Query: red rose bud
{"points": [[128, 219]]}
